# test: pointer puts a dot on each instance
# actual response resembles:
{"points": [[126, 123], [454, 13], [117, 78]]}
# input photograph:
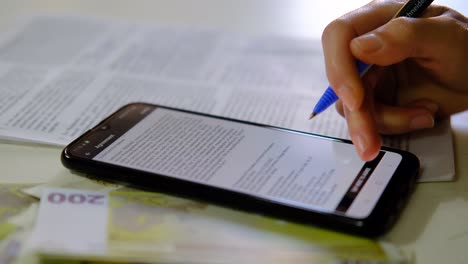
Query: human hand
{"points": [[420, 70]]}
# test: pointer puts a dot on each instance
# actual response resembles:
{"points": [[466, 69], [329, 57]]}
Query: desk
{"points": [[434, 225]]}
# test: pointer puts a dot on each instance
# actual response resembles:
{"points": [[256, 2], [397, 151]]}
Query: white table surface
{"points": [[434, 226]]}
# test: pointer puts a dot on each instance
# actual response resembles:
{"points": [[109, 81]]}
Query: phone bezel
{"points": [[379, 221]]}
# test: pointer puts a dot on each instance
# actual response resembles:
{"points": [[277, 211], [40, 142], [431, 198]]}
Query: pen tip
{"points": [[312, 115]]}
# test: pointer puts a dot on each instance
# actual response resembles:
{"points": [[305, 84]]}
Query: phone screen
{"points": [[282, 166]]}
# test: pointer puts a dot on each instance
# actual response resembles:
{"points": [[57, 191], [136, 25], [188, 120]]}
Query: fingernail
{"points": [[422, 121], [368, 43], [433, 107], [360, 142], [348, 98]]}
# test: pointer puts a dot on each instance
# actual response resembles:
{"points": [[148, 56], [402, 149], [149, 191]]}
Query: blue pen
{"points": [[412, 8]]}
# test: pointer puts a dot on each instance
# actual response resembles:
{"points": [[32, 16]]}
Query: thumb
{"points": [[402, 38]]}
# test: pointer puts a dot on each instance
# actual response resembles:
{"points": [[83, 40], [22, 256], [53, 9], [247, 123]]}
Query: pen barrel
{"points": [[328, 98], [413, 8]]}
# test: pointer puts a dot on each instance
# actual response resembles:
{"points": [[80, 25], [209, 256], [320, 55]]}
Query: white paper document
{"points": [[60, 76]]}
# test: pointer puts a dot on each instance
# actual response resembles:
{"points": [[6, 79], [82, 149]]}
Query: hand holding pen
{"points": [[420, 69]]}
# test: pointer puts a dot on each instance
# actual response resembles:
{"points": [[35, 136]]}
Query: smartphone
{"points": [[263, 169]]}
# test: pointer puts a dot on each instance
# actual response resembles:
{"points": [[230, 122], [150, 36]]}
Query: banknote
{"points": [[12, 202], [149, 227], [13, 244]]}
